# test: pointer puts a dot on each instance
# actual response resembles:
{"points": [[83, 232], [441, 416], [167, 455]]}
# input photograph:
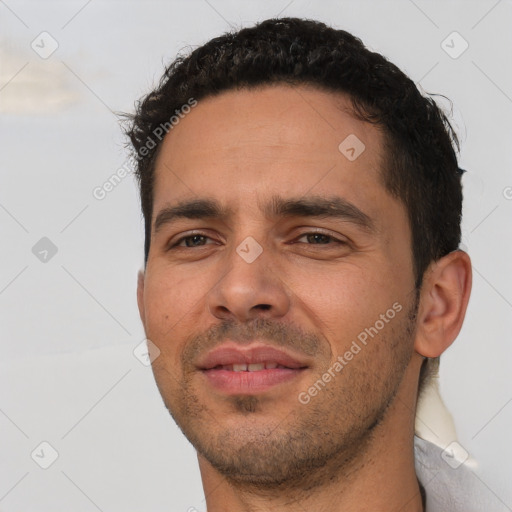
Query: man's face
{"points": [[304, 284]]}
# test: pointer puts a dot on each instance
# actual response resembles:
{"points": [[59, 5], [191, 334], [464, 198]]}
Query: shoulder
{"points": [[450, 481]]}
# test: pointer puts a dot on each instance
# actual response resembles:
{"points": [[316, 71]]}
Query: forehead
{"points": [[276, 139]]}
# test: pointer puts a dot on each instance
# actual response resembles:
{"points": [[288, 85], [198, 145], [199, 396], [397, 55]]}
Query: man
{"points": [[302, 205]]}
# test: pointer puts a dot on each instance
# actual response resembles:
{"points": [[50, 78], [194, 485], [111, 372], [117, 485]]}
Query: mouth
{"points": [[249, 367], [232, 369]]}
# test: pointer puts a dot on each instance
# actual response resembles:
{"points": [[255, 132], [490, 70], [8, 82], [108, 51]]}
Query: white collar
{"points": [[450, 484]]}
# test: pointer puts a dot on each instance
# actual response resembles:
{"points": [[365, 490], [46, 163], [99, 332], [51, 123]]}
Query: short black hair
{"points": [[420, 162]]}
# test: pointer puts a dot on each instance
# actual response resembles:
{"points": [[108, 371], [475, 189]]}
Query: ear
{"points": [[443, 301], [140, 296]]}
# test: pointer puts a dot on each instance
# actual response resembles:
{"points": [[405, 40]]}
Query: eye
{"points": [[317, 238], [194, 240]]}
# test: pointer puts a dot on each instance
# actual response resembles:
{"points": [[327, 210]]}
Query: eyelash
{"points": [[182, 239]]}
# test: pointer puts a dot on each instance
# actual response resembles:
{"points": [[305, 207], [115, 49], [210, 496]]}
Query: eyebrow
{"points": [[312, 206]]}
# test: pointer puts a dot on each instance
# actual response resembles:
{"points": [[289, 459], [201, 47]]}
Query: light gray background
{"points": [[69, 326]]}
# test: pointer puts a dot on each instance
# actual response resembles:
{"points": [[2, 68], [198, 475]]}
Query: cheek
{"points": [[171, 303], [346, 299]]}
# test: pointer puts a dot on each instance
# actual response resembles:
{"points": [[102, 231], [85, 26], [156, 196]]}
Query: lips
{"points": [[250, 367], [232, 357], [232, 369]]}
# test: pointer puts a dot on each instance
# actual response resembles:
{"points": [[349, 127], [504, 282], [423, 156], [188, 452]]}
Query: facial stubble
{"points": [[302, 447]]}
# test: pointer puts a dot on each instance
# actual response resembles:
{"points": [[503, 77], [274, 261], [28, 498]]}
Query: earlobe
{"points": [[443, 302], [140, 296]]}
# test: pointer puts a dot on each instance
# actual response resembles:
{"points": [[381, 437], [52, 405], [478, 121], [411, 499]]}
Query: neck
{"points": [[379, 476]]}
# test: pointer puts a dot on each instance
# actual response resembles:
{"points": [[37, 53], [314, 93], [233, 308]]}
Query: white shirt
{"points": [[451, 485]]}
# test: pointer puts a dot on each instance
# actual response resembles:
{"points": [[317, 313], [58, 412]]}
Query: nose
{"points": [[248, 289]]}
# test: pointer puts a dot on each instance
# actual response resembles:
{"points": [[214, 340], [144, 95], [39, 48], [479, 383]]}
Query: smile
{"points": [[235, 369]]}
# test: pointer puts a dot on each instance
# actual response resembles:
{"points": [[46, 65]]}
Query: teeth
{"points": [[253, 367]]}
